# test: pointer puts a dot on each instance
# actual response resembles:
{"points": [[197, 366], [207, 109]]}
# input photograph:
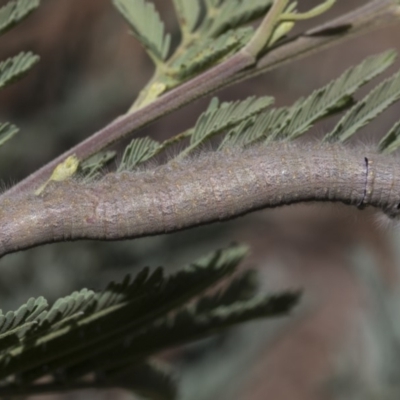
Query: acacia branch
{"points": [[239, 67]]}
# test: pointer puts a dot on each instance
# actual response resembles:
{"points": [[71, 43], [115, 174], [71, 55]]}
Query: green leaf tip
{"points": [[16, 67], [14, 12], [391, 141], [384, 95], [188, 12], [7, 131], [138, 151], [146, 26], [322, 102]]}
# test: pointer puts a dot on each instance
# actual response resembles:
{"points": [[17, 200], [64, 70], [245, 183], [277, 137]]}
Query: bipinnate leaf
{"points": [[288, 123], [15, 67], [14, 12], [77, 326], [246, 122], [146, 25]]}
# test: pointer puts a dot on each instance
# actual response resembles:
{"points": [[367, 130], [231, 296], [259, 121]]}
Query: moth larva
{"points": [[214, 186]]}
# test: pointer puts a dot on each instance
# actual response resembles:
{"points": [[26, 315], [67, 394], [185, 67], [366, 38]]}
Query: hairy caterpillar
{"points": [[210, 187]]}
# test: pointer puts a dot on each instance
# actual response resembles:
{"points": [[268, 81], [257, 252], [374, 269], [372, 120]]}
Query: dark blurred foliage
{"points": [[343, 342]]}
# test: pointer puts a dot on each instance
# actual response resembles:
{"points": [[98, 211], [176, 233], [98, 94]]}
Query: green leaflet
{"points": [[224, 116], [7, 131], [141, 150], [234, 13], [203, 53], [146, 26], [365, 110], [15, 67], [15, 324], [305, 112], [91, 167], [290, 122], [14, 12], [138, 151], [391, 141], [188, 12], [262, 126]]}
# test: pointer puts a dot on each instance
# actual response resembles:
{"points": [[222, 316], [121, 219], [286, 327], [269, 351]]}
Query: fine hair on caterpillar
{"points": [[209, 187]]}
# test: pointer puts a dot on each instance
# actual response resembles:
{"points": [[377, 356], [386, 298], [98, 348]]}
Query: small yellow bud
{"points": [[62, 172]]}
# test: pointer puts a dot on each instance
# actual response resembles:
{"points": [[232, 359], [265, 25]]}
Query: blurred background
{"points": [[343, 342]]}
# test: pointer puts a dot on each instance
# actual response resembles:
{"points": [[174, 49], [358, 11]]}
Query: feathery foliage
{"points": [[319, 104], [221, 117], [287, 123], [263, 125], [217, 118], [15, 67], [14, 12], [131, 320], [15, 324], [364, 111], [146, 26], [135, 295], [209, 35], [187, 325], [246, 122]]}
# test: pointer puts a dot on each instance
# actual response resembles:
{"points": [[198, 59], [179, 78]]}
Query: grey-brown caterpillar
{"points": [[215, 186]]}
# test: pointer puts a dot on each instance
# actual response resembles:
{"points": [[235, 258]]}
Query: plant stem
{"points": [[264, 32]]}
